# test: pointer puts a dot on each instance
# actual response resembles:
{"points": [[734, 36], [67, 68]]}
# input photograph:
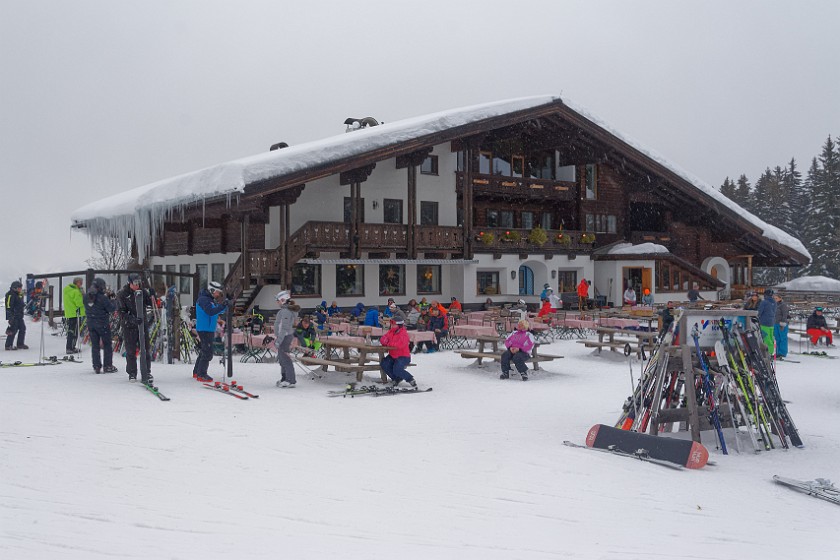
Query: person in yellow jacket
{"points": [[74, 310]]}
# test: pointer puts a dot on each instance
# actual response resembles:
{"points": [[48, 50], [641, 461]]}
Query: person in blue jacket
{"points": [[333, 309], [358, 311], [210, 304], [372, 317]]}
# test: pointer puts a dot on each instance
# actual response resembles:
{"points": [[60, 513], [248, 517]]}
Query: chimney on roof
{"points": [[357, 124], [278, 146]]}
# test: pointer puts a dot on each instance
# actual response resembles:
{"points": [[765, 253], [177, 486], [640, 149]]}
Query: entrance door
{"points": [[526, 281]]}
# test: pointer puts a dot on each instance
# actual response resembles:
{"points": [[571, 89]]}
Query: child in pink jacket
{"points": [[519, 345]]}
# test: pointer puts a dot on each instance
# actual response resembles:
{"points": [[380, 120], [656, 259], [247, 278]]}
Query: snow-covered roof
{"points": [[141, 212], [640, 249], [769, 231], [811, 284]]}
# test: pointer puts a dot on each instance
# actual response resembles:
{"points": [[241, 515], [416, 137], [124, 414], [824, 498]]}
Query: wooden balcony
{"points": [[519, 187], [570, 243], [659, 237]]}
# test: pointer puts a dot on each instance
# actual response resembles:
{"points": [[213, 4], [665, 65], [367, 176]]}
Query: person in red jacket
{"points": [[583, 294], [399, 356], [545, 309]]}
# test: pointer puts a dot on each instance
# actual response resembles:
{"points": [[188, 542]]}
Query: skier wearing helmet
{"points": [[284, 330], [14, 315], [210, 304]]}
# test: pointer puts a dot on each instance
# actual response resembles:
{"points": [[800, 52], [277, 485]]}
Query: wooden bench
{"points": [[496, 354], [614, 345], [343, 367]]}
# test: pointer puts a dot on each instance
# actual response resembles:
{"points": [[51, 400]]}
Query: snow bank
{"points": [[640, 249], [812, 284]]}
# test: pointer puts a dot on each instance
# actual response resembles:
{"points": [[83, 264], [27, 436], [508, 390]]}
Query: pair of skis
{"points": [[820, 488], [233, 389], [374, 391]]}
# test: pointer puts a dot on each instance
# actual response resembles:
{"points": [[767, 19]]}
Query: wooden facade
{"points": [[507, 182]]}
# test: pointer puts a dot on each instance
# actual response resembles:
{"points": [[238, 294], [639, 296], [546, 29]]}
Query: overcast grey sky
{"points": [[100, 96]]}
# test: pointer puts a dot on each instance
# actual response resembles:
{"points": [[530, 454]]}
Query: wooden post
{"points": [[287, 234], [282, 245], [412, 211], [246, 259]]}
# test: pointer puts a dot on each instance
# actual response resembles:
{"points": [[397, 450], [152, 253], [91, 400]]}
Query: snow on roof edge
{"points": [[769, 231]]}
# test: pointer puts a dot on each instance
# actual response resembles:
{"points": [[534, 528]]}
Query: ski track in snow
{"points": [[93, 467]]}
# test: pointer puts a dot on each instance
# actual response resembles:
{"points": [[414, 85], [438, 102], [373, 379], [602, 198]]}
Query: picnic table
{"points": [[337, 349], [636, 339], [493, 353]]}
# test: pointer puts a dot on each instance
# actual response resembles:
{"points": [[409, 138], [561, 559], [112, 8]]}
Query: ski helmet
{"points": [[215, 287], [283, 296], [16, 285], [135, 278], [99, 284]]}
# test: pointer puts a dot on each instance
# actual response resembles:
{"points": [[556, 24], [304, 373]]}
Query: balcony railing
{"points": [[513, 240], [519, 187]]}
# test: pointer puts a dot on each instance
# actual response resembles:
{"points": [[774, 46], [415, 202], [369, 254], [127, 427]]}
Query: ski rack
{"points": [[682, 357]]}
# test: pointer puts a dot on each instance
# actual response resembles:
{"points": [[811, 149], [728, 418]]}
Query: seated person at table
{"points": [[358, 311], [629, 296], [647, 297], [545, 309], [817, 328], [395, 312], [320, 317], [488, 305], [435, 303], [306, 336], [437, 323], [519, 344], [411, 318], [399, 356], [388, 312], [372, 317], [333, 309], [456, 305], [423, 303]]}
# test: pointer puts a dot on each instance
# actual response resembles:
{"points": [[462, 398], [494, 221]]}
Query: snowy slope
{"points": [[94, 467]]}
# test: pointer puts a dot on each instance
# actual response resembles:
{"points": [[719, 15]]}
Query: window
{"points": [[392, 280], [567, 281], [518, 166], [306, 279], [506, 218], [605, 223], [492, 218], [487, 283], [547, 220], [392, 211], [184, 282], [428, 213], [590, 222], [591, 181], [428, 279], [349, 280], [542, 166], [528, 220], [567, 173], [170, 280], [429, 166], [218, 272], [484, 160], [202, 274], [611, 224], [347, 214], [526, 281]]}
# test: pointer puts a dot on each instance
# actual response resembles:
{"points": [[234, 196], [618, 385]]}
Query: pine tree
{"points": [[762, 196], [798, 200], [811, 220], [727, 189], [743, 194], [826, 211]]}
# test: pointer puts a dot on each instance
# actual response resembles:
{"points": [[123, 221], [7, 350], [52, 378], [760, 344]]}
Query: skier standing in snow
{"points": [[780, 326], [74, 309], [98, 309], [519, 344], [284, 330], [399, 356], [766, 319], [14, 315], [131, 325], [210, 304]]}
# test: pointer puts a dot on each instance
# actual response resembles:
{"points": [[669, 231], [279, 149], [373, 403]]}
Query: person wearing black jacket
{"points": [[98, 309], [131, 325], [816, 328], [14, 315]]}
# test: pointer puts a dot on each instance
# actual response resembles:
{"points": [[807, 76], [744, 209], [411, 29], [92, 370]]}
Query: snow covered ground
{"points": [[94, 467]]}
